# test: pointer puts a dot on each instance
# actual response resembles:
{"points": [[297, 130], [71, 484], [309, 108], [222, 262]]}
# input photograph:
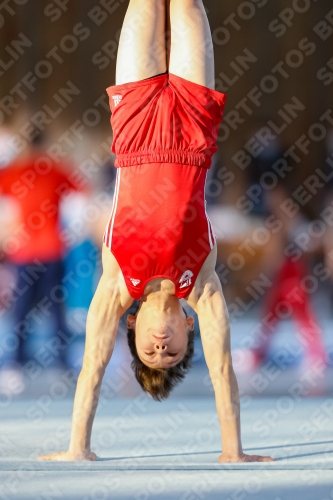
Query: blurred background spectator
{"points": [[35, 186]]}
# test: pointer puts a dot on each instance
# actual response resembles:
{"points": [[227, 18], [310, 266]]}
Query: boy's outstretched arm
{"points": [[105, 310], [215, 335]]}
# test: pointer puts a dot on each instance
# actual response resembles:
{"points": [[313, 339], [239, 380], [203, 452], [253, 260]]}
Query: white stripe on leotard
{"points": [[209, 224], [115, 205], [109, 227]]}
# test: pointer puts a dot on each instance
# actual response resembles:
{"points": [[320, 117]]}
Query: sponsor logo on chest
{"points": [[185, 279], [134, 281]]}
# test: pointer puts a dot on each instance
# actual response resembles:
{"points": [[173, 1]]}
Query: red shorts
{"points": [[165, 119]]}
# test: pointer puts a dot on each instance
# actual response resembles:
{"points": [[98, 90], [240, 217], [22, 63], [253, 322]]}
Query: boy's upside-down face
{"points": [[161, 336]]}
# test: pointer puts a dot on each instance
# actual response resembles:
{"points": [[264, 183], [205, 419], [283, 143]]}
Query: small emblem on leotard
{"points": [[116, 99], [134, 281], [185, 279]]}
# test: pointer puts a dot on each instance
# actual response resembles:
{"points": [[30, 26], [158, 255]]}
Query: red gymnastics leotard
{"points": [[164, 135]]}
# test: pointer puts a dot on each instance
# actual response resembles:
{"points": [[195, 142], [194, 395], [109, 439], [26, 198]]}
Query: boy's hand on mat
{"points": [[68, 456], [244, 458]]}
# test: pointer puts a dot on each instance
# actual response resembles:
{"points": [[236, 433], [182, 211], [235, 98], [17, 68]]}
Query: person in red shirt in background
{"points": [[35, 250], [290, 295]]}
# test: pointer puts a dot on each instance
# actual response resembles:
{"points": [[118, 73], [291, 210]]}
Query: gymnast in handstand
{"points": [[159, 245]]}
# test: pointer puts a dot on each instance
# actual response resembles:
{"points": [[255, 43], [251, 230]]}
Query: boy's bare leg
{"points": [[192, 55], [141, 52], [104, 313]]}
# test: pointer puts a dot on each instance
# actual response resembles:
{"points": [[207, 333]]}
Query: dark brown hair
{"points": [[159, 382]]}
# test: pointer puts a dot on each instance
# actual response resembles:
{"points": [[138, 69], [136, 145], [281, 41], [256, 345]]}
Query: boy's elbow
{"points": [[223, 373]]}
